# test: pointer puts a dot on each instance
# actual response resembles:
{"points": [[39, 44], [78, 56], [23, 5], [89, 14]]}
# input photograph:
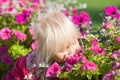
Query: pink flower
{"points": [[31, 31], [36, 1], [78, 55], [23, 17], [107, 24], [86, 15], [95, 48], [94, 41], [115, 54], [65, 12], [89, 66], [101, 51], [83, 58], [6, 59], [53, 70], [70, 62], [18, 34], [23, 3], [11, 10], [74, 11], [112, 11], [34, 45], [118, 39], [81, 19], [98, 50], [110, 75], [5, 33]]}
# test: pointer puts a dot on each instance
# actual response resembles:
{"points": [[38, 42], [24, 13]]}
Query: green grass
{"points": [[94, 7]]}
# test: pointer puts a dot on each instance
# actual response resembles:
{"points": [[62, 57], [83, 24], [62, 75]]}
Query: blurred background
{"points": [[93, 7]]}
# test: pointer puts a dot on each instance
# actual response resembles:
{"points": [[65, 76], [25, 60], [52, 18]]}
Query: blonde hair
{"points": [[54, 33]]}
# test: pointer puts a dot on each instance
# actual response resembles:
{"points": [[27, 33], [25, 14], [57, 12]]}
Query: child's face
{"points": [[61, 56]]}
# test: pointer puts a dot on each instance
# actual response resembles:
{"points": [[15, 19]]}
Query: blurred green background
{"points": [[94, 8]]}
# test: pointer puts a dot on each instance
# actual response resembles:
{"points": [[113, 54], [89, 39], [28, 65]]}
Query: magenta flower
{"points": [[83, 58], [3, 49], [98, 50], [109, 75], [11, 10], [23, 17], [112, 11], [118, 39], [74, 11], [65, 12], [9, 76], [89, 66], [31, 31], [94, 41], [18, 34], [5, 33], [115, 54], [102, 51], [78, 55], [86, 15], [79, 20], [53, 70], [95, 48], [34, 45], [107, 24], [36, 1], [70, 62], [23, 3], [6, 59], [116, 65], [83, 18]]}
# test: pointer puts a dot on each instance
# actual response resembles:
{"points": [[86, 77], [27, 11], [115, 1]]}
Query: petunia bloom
{"points": [[5, 33], [70, 62], [86, 15], [109, 75], [53, 70], [18, 34], [6, 59], [118, 39], [74, 11], [31, 31], [36, 1], [65, 12], [115, 54], [89, 66], [94, 41], [23, 17], [34, 45], [112, 11]]}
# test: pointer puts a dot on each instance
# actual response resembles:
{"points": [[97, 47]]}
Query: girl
{"points": [[57, 40]]}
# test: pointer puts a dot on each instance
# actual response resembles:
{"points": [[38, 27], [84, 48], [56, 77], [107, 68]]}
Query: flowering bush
{"points": [[98, 57], [16, 38]]}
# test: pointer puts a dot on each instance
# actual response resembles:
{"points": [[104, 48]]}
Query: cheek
{"points": [[60, 57], [74, 48], [77, 46]]}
